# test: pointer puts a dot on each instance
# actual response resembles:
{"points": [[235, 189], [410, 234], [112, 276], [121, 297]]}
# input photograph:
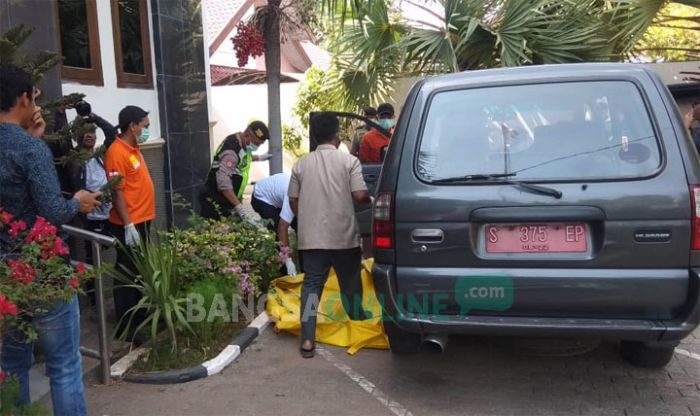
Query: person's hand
{"points": [[38, 124], [291, 267], [264, 157], [88, 201], [240, 212], [131, 235], [688, 118]]}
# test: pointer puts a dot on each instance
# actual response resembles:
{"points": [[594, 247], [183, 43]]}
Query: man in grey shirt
{"points": [[324, 185]]}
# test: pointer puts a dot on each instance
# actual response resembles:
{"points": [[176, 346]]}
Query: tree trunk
{"points": [[272, 68]]}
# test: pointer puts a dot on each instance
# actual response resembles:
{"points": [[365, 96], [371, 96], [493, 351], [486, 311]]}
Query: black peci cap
{"points": [[260, 130], [130, 114], [385, 108]]}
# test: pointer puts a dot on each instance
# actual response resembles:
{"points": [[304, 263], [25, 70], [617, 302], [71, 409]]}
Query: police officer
{"points": [[228, 176]]}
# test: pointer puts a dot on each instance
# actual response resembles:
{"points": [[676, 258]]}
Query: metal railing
{"points": [[97, 241]]}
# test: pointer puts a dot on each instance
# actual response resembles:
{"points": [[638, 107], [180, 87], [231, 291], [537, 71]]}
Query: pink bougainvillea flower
{"points": [[74, 282], [5, 217], [16, 227], [7, 307], [60, 247], [52, 247], [21, 271], [80, 268], [41, 230]]}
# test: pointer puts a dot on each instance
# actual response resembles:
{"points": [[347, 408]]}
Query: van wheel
{"points": [[646, 356], [400, 341]]}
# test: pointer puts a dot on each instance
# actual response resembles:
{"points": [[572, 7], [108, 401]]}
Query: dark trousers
{"points": [[317, 263], [127, 297], [267, 212], [100, 227], [214, 207]]}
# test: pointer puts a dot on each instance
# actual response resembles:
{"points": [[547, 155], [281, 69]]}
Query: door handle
{"points": [[427, 235]]}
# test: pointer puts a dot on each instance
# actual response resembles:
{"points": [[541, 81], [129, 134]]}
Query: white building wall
{"points": [[108, 100], [233, 107]]}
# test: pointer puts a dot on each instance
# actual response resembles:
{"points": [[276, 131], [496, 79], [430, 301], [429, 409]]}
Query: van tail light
{"points": [[695, 217], [383, 221]]}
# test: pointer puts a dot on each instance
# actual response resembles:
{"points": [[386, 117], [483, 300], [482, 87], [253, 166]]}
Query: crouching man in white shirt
{"points": [[271, 202]]}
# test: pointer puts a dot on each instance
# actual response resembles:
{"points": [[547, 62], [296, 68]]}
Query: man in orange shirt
{"points": [[374, 141], [133, 199]]}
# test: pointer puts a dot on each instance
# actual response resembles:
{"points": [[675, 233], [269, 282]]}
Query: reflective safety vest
{"points": [[239, 177]]}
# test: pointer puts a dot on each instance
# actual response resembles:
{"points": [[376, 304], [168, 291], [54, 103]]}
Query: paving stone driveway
{"points": [[475, 376]]}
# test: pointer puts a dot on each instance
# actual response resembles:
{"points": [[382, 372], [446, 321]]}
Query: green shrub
{"points": [[159, 280], [244, 255], [9, 397], [207, 329]]}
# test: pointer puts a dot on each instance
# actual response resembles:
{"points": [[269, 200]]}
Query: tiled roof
{"points": [[218, 14], [226, 75]]}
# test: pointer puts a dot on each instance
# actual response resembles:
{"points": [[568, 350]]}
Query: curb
{"points": [[206, 369]]}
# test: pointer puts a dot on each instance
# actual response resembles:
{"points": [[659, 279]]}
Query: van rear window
{"points": [[573, 130]]}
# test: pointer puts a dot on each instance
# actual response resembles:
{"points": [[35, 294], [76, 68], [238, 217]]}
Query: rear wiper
{"points": [[498, 177], [544, 190]]}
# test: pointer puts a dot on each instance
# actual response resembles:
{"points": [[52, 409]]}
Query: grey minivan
{"points": [[549, 201]]}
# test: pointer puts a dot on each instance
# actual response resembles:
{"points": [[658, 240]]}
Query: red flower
{"points": [[41, 230], [16, 227], [53, 247], [60, 248], [80, 268], [74, 282], [2, 377], [7, 307], [21, 271], [5, 217]]}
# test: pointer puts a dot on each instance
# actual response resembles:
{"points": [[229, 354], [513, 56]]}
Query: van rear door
{"points": [[570, 196]]}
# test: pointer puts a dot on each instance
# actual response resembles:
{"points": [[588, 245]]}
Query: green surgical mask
{"points": [[251, 148], [145, 134], [386, 123]]}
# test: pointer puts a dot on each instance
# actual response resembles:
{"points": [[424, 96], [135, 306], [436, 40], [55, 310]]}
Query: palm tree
{"points": [[267, 19], [274, 19], [458, 35]]}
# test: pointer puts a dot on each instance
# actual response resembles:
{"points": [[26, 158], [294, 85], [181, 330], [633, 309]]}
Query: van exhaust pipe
{"points": [[435, 343]]}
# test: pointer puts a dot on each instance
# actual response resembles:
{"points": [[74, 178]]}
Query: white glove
{"points": [[238, 210], [291, 268], [264, 157], [131, 235]]}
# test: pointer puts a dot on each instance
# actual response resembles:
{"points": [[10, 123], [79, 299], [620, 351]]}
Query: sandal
{"points": [[307, 353]]}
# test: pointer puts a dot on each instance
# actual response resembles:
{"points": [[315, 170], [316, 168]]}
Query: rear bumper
{"points": [[627, 329]]}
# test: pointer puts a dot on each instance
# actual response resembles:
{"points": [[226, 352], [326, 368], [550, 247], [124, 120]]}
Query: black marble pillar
{"points": [[182, 96], [40, 15]]}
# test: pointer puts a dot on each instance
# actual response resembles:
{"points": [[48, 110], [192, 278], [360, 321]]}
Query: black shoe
{"points": [[307, 352]]}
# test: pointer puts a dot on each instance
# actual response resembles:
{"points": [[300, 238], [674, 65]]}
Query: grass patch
{"points": [[192, 351]]}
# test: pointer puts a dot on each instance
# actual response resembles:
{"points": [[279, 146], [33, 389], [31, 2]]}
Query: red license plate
{"points": [[536, 238]]}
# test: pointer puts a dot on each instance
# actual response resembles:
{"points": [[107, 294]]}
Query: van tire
{"points": [[643, 355], [400, 341]]}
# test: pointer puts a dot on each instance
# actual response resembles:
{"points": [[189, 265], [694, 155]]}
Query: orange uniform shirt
{"points": [[371, 146], [136, 185]]}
